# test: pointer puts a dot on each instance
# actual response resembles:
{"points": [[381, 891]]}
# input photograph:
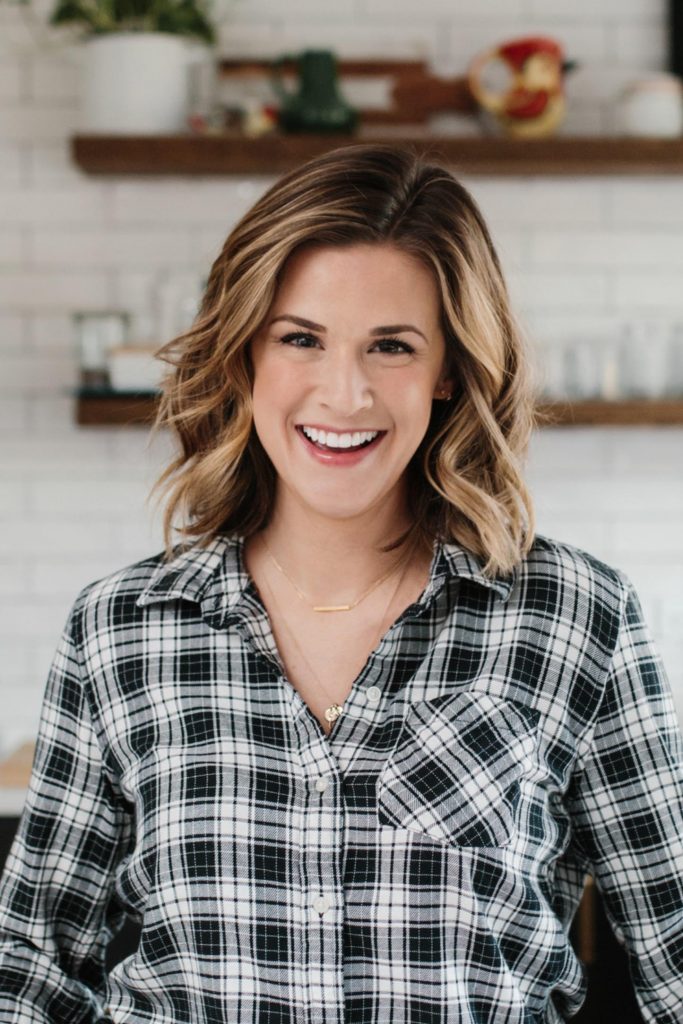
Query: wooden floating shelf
{"points": [[136, 409], [276, 153], [627, 412], [116, 408]]}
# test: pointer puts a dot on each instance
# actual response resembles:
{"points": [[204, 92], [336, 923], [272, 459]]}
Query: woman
{"points": [[347, 752]]}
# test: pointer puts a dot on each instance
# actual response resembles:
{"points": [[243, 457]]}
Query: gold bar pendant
{"points": [[332, 608]]}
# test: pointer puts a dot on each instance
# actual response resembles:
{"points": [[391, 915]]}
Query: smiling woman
{"points": [[314, 395], [385, 260], [347, 751]]}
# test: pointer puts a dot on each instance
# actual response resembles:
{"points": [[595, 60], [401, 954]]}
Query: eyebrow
{"points": [[386, 329]]}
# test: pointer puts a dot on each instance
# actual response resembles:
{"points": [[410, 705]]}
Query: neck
{"points": [[335, 560]]}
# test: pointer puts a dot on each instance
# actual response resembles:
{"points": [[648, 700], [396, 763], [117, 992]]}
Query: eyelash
{"points": [[287, 338]]}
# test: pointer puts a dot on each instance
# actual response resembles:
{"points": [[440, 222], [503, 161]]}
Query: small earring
{"points": [[446, 394]]}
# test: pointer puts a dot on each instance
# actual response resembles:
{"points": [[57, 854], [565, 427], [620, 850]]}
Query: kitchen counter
{"points": [[15, 773]]}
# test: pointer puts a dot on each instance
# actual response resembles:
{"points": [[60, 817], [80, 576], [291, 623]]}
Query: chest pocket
{"points": [[454, 773]]}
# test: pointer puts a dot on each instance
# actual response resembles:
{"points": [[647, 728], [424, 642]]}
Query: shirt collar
{"points": [[215, 576]]}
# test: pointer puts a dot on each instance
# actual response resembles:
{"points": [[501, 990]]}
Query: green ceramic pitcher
{"points": [[317, 106]]}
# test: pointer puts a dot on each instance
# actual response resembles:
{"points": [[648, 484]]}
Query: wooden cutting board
{"points": [[15, 771]]}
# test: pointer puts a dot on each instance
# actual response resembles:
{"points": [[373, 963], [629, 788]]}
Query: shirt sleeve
{"points": [[57, 905], [626, 802]]}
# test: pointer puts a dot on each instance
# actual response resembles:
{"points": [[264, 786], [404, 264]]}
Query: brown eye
{"points": [[288, 339], [396, 346], [403, 345]]}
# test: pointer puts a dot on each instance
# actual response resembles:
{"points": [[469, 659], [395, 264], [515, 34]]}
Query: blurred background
{"points": [[563, 117]]}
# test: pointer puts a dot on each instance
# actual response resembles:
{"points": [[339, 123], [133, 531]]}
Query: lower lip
{"points": [[342, 457]]}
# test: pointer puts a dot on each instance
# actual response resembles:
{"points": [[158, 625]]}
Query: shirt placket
{"points": [[323, 762], [323, 759], [321, 878], [317, 973]]}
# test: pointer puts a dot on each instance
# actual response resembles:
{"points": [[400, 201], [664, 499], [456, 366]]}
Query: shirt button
{"points": [[322, 903], [321, 784], [374, 694]]}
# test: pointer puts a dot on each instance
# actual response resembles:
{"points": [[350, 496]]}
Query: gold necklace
{"points": [[332, 607], [332, 712]]}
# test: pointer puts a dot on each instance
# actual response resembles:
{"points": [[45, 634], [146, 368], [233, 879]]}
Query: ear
{"points": [[443, 388]]}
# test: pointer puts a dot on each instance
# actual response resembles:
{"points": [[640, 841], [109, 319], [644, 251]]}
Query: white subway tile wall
{"points": [[581, 256]]}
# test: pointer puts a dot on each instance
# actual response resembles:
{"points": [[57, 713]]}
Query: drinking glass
{"points": [[646, 357], [675, 375], [582, 368]]}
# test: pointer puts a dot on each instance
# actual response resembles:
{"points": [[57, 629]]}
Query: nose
{"points": [[344, 386]]}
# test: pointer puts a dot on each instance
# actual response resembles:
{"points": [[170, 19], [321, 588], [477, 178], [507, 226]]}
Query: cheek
{"points": [[276, 381], [266, 393], [411, 396], [276, 393], [413, 407]]}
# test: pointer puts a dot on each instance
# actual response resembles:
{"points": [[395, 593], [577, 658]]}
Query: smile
{"points": [[339, 449]]}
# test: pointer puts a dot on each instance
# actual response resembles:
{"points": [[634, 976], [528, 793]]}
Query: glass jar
{"points": [[96, 333]]}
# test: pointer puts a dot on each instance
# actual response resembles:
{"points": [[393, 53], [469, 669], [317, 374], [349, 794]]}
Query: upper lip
{"points": [[343, 430]]}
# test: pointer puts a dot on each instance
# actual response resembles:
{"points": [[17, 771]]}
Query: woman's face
{"points": [[340, 372]]}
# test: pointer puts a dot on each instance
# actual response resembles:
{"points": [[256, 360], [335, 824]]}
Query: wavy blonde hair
{"points": [[466, 481]]}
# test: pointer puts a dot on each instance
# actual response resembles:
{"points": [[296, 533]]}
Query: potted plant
{"points": [[136, 58]]}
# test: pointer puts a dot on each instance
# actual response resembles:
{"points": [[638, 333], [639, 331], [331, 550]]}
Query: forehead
{"points": [[358, 273]]}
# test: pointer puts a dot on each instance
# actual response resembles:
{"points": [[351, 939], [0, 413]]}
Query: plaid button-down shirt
{"points": [[422, 863]]}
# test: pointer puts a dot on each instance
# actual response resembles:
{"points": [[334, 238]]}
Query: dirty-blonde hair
{"points": [[465, 478]]}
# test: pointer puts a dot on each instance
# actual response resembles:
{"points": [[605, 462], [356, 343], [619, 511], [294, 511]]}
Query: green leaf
{"points": [[178, 17]]}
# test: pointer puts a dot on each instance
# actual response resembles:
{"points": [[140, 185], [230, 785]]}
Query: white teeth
{"points": [[331, 440]]}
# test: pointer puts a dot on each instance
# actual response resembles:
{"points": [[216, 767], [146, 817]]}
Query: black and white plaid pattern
{"points": [[421, 864]]}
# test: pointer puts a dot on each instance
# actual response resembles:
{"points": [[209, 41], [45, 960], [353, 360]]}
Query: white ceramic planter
{"points": [[135, 83]]}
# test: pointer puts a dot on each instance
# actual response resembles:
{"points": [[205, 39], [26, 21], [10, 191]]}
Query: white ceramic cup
{"points": [[652, 107]]}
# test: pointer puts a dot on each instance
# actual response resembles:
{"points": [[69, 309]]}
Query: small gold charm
{"points": [[333, 712]]}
